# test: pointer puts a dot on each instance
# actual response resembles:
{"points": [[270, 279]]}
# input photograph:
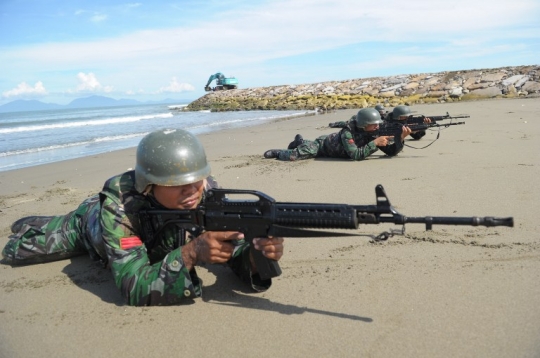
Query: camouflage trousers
{"points": [[76, 233], [308, 149]]}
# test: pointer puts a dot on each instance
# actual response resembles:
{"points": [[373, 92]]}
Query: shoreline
{"points": [[437, 293], [32, 156]]}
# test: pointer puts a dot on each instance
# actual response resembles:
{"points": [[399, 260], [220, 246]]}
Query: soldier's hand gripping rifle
{"points": [[265, 217]]}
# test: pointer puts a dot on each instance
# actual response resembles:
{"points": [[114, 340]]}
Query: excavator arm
{"points": [[218, 76]]}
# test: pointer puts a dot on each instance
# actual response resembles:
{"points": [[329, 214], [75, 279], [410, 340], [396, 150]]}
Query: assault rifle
{"points": [[266, 217], [420, 119], [394, 128]]}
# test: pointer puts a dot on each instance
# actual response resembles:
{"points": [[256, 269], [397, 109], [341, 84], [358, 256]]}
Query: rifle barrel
{"points": [[488, 221]]}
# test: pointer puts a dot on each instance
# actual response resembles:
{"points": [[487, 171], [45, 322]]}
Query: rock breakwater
{"points": [[505, 82]]}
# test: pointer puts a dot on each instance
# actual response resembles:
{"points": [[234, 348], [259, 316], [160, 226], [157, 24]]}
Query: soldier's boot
{"points": [[35, 221], [296, 142], [272, 153]]}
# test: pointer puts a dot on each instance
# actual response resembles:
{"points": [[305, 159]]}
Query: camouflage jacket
{"points": [[152, 273], [340, 124], [356, 145]]}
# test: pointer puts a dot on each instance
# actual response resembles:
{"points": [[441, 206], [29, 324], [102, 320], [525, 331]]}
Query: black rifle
{"points": [[266, 217], [420, 119], [392, 128]]}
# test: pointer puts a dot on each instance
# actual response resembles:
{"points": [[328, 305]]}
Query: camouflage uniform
{"points": [[107, 226], [341, 124], [347, 143]]}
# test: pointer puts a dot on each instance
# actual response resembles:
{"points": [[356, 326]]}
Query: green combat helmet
{"points": [[382, 111], [380, 108], [367, 116], [169, 158], [401, 111]]}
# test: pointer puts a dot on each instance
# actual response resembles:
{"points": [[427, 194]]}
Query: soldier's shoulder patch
{"points": [[130, 242]]}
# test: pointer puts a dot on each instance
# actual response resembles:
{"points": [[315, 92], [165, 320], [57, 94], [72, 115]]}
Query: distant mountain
{"points": [[88, 102], [100, 101], [22, 105]]}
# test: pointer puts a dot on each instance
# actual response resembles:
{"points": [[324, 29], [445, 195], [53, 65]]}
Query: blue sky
{"points": [[56, 51]]}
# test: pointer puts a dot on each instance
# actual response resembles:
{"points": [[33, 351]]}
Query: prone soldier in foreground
{"points": [[149, 268], [153, 225]]}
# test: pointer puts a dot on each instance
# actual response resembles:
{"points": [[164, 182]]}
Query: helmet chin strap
{"points": [[148, 189]]}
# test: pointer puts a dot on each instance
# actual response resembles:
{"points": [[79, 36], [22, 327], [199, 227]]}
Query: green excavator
{"points": [[222, 82]]}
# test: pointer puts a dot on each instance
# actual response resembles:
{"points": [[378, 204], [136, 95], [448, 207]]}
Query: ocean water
{"points": [[39, 137]]}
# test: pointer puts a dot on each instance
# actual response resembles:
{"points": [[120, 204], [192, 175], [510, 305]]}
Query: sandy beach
{"points": [[449, 292]]}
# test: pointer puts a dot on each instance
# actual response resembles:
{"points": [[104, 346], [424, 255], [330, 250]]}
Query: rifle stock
{"points": [[266, 217]]}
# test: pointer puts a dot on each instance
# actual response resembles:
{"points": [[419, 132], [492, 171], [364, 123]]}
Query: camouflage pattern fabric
{"points": [[59, 238], [343, 124], [347, 143], [102, 225], [308, 149], [340, 124]]}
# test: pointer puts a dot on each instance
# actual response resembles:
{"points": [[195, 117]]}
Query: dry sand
{"points": [[450, 292]]}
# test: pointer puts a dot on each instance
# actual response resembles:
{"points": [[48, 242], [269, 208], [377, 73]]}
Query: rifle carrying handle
{"points": [[266, 267]]}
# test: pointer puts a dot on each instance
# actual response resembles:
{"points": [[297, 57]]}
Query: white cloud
{"points": [[24, 90], [175, 87], [98, 18], [275, 31], [88, 83], [258, 44]]}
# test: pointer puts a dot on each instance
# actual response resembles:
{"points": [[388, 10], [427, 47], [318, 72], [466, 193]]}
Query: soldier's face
{"points": [[371, 127], [180, 196]]}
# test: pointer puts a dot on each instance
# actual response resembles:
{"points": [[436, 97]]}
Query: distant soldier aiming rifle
{"points": [[403, 115], [357, 140]]}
